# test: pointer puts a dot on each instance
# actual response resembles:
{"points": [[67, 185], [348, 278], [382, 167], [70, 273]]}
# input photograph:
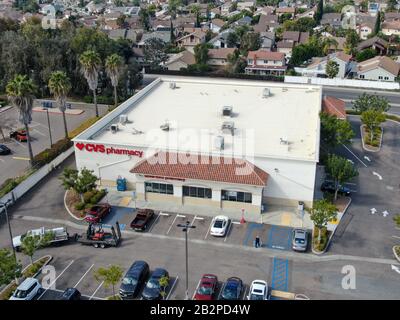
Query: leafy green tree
{"points": [[321, 213], [334, 131], [232, 39], [80, 182], [352, 40], [173, 6], [304, 52], [284, 17], [304, 24], [340, 170], [60, 85], [372, 119], [20, 94], [114, 64], [154, 51], [328, 43], [110, 276], [91, 64], [9, 268], [195, 9], [144, 17], [251, 41], [367, 101], [365, 54], [164, 283], [396, 220], [377, 26], [201, 53], [331, 69], [233, 7], [320, 11], [31, 243]]}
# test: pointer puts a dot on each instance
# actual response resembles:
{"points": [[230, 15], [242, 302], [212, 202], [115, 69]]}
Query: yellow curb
{"points": [[125, 201], [283, 294], [334, 221], [21, 158], [286, 219]]}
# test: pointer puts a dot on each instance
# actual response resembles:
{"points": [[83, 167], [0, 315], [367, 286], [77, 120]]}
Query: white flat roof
{"points": [[282, 125]]}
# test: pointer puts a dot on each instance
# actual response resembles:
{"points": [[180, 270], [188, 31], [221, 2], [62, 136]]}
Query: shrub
{"points": [[6, 294], [88, 205], [49, 154], [82, 127], [320, 246], [98, 196], [87, 196], [80, 206]]}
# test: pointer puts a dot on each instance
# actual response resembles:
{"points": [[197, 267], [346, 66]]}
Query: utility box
{"points": [[301, 206], [121, 184]]}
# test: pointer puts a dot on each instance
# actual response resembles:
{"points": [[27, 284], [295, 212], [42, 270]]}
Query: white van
{"points": [[27, 290]]}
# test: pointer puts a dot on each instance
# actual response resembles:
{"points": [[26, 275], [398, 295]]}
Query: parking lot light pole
{"points": [[185, 228], [48, 123], [4, 205]]}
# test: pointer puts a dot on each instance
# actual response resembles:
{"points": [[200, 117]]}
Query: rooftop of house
{"points": [[379, 62], [394, 24], [372, 41], [221, 53], [266, 55], [267, 118]]}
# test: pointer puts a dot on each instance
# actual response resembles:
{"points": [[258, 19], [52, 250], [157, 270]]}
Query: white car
{"points": [[219, 226], [27, 290], [258, 290]]}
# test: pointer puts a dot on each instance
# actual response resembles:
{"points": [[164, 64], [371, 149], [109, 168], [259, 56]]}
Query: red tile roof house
{"points": [[262, 62], [334, 106]]}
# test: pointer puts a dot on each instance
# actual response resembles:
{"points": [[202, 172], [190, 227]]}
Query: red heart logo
{"points": [[80, 145]]}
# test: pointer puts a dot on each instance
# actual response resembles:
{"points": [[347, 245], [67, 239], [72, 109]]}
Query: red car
{"points": [[19, 135], [96, 213], [207, 287]]}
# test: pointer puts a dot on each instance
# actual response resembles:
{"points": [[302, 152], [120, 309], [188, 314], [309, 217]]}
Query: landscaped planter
{"points": [[396, 252], [315, 250], [365, 144], [71, 199]]}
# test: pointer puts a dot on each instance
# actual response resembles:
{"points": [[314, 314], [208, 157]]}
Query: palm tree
{"points": [[113, 68], [328, 43], [91, 63], [59, 85], [20, 94]]}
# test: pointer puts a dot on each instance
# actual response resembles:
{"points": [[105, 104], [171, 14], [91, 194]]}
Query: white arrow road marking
{"points": [[397, 237], [367, 158], [377, 174], [385, 213], [352, 162], [395, 268], [373, 211], [389, 188]]}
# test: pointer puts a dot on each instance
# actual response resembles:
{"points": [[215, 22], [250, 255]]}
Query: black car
{"points": [[329, 186], [4, 150], [134, 280], [71, 294], [232, 289], [152, 290]]}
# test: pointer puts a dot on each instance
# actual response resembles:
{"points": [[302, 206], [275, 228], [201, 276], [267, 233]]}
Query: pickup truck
{"points": [[58, 235], [142, 219]]}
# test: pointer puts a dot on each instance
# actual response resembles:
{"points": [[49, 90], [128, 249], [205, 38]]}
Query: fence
{"points": [[33, 179], [344, 82]]}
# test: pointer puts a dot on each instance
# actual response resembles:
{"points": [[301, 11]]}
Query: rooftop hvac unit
{"points": [[228, 126], [227, 111], [284, 141], [123, 119], [172, 85], [266, 93], [219, 142], [114, 128], [165, 126]]}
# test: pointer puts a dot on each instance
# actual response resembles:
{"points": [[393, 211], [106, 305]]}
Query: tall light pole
{"points": [[185, 228], [48, 123], [4, 205]]}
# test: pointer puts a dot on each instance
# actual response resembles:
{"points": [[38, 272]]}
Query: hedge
{"points": [[50, 154], [82, 127]]}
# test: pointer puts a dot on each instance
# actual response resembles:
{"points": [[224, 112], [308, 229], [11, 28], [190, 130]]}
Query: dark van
{"points": [[134, 279], [71, 294]]}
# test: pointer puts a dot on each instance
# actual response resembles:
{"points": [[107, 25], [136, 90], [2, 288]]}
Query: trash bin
{"points": [[121, 184], [301, 206]]}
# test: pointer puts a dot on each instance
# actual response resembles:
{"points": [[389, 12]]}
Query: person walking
{"points": [[257, 242]]}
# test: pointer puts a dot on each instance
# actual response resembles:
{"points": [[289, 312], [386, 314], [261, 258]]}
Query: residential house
{"points": [[365, 25], [180, 60], [334, 107], [392, 16], [340, 44], [378, 44], [219, 57], [289, 40], [216, 25], [281, 11], [332, 19], [267, 23], [245, 21], [189, 41], [379, 68], [318, 65], [310, 13], [285, 47], [220, 41], [262, 62], [267, 40], [391, 28], [162, 35], [124, 34], [225, 8], [245, 5], [138, 56]]}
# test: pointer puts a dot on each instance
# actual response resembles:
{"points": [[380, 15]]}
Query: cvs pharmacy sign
{"points": [[101, 148]]}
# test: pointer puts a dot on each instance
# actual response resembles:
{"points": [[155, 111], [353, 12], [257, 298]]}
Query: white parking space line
{"points": [[197, 287], [84, 275], [54, 281], [154, 222], [19, 143], [397, 237], [355, 155], [208, 231], [37, 131], [245, 292], [191, 224], [377, 174], [95, 291], [2, 160], [173, 221], [227, 231], [172, 288], [236, 222]]}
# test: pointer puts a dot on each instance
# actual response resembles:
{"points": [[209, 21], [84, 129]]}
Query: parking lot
{"points": [[14, 164]]}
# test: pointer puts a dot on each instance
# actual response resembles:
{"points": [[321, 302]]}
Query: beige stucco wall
{"points": [[284, 202], [192, 201], [233, 205], [157, 197]]}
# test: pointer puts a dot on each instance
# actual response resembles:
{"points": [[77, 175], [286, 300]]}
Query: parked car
{"points": [[299, 240], [27, 290], [232, 289], [219, 226], [152, 290], [4, 150], [329, 186], [143, 217], [71, 294], [134, 279], [207, 287], [259, 290], [19, 135], [96, 213]]}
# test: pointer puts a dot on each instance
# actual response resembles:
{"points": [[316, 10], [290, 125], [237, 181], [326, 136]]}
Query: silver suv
{"points": [[27, 290], [299, 240]]}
